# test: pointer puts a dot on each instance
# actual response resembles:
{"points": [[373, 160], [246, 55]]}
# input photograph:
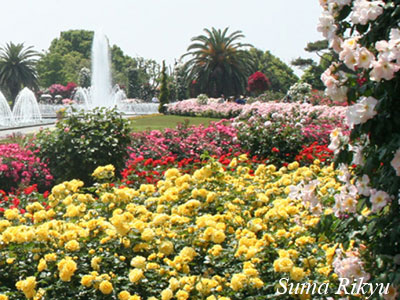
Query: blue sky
{"points": [[161, 29]]}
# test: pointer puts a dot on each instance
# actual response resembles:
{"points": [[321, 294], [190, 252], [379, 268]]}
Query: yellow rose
{"points": [[138, 262], [238, 281], [50, 257], [173, 284], [66, 267], [218, 236], [297, 274], [283, 264], [257, 282], [124, 295], [3, 297], [182, 295], [95, 263], [27, 286], [10, 260], [135, 275], [148, 235], [166, 247], [87, 280], [171, 173], [72, 245], [167, 294], [106, 287], [11, 214], [188, 253], [42, 265]]}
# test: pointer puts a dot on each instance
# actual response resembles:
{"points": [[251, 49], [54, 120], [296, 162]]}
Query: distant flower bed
{"points": [[191, 107]]}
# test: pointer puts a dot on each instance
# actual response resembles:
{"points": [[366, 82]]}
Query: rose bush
{"points": [[280, 135], [366, 37]]}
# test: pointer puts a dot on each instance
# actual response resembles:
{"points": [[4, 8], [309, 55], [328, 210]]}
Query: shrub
{"points": [[271, 138], [83, 141], [20, 167], [300, 91], [257, 83], [202, 99]]}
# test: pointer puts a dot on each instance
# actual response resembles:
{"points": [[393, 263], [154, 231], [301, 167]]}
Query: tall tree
{"points": [[219, 63], [17, 68], [164, 92], [313, 70], [280, 75]]}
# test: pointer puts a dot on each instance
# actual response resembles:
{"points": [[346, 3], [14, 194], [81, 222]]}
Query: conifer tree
{"points": [[164, 92]]}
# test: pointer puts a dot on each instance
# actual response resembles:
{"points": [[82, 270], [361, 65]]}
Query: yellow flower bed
{"points": [[212, 235]]}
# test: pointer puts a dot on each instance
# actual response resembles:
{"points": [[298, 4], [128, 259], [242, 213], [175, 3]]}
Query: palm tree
{"points": [[17, 68], [219, 65]]}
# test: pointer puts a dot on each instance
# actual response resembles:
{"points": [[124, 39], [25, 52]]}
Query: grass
{"points": [[159, 122], [140, 123]]}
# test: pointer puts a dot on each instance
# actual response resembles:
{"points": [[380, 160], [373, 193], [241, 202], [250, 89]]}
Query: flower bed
{"points": [[19, 166], [184, 142], [191, 107], [218, 233]]}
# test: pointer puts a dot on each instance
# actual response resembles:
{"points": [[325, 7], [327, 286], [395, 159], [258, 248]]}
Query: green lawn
{"points": [[141, 123], [158, 122]]}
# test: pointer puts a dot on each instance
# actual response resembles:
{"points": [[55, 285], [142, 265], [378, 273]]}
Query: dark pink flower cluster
{"points": [[257, 82], [185, 141], [20, 167], [64, 91]]}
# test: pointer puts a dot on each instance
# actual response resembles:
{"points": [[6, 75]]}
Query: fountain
{"points": [[101, 94], [101, 91], [27, 112], [6, 116], [26, 109]]}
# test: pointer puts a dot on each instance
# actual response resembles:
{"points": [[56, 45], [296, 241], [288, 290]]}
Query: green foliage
{"points": [[179, 83], [143, 78], [312, 70], [164, 92], [317, 46], [51, 69], [66, 56], [73, 40], [219, 65], [17, 68], [84, 141], [266, 97], [280, 75], [312, 76], [134, 83]]}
